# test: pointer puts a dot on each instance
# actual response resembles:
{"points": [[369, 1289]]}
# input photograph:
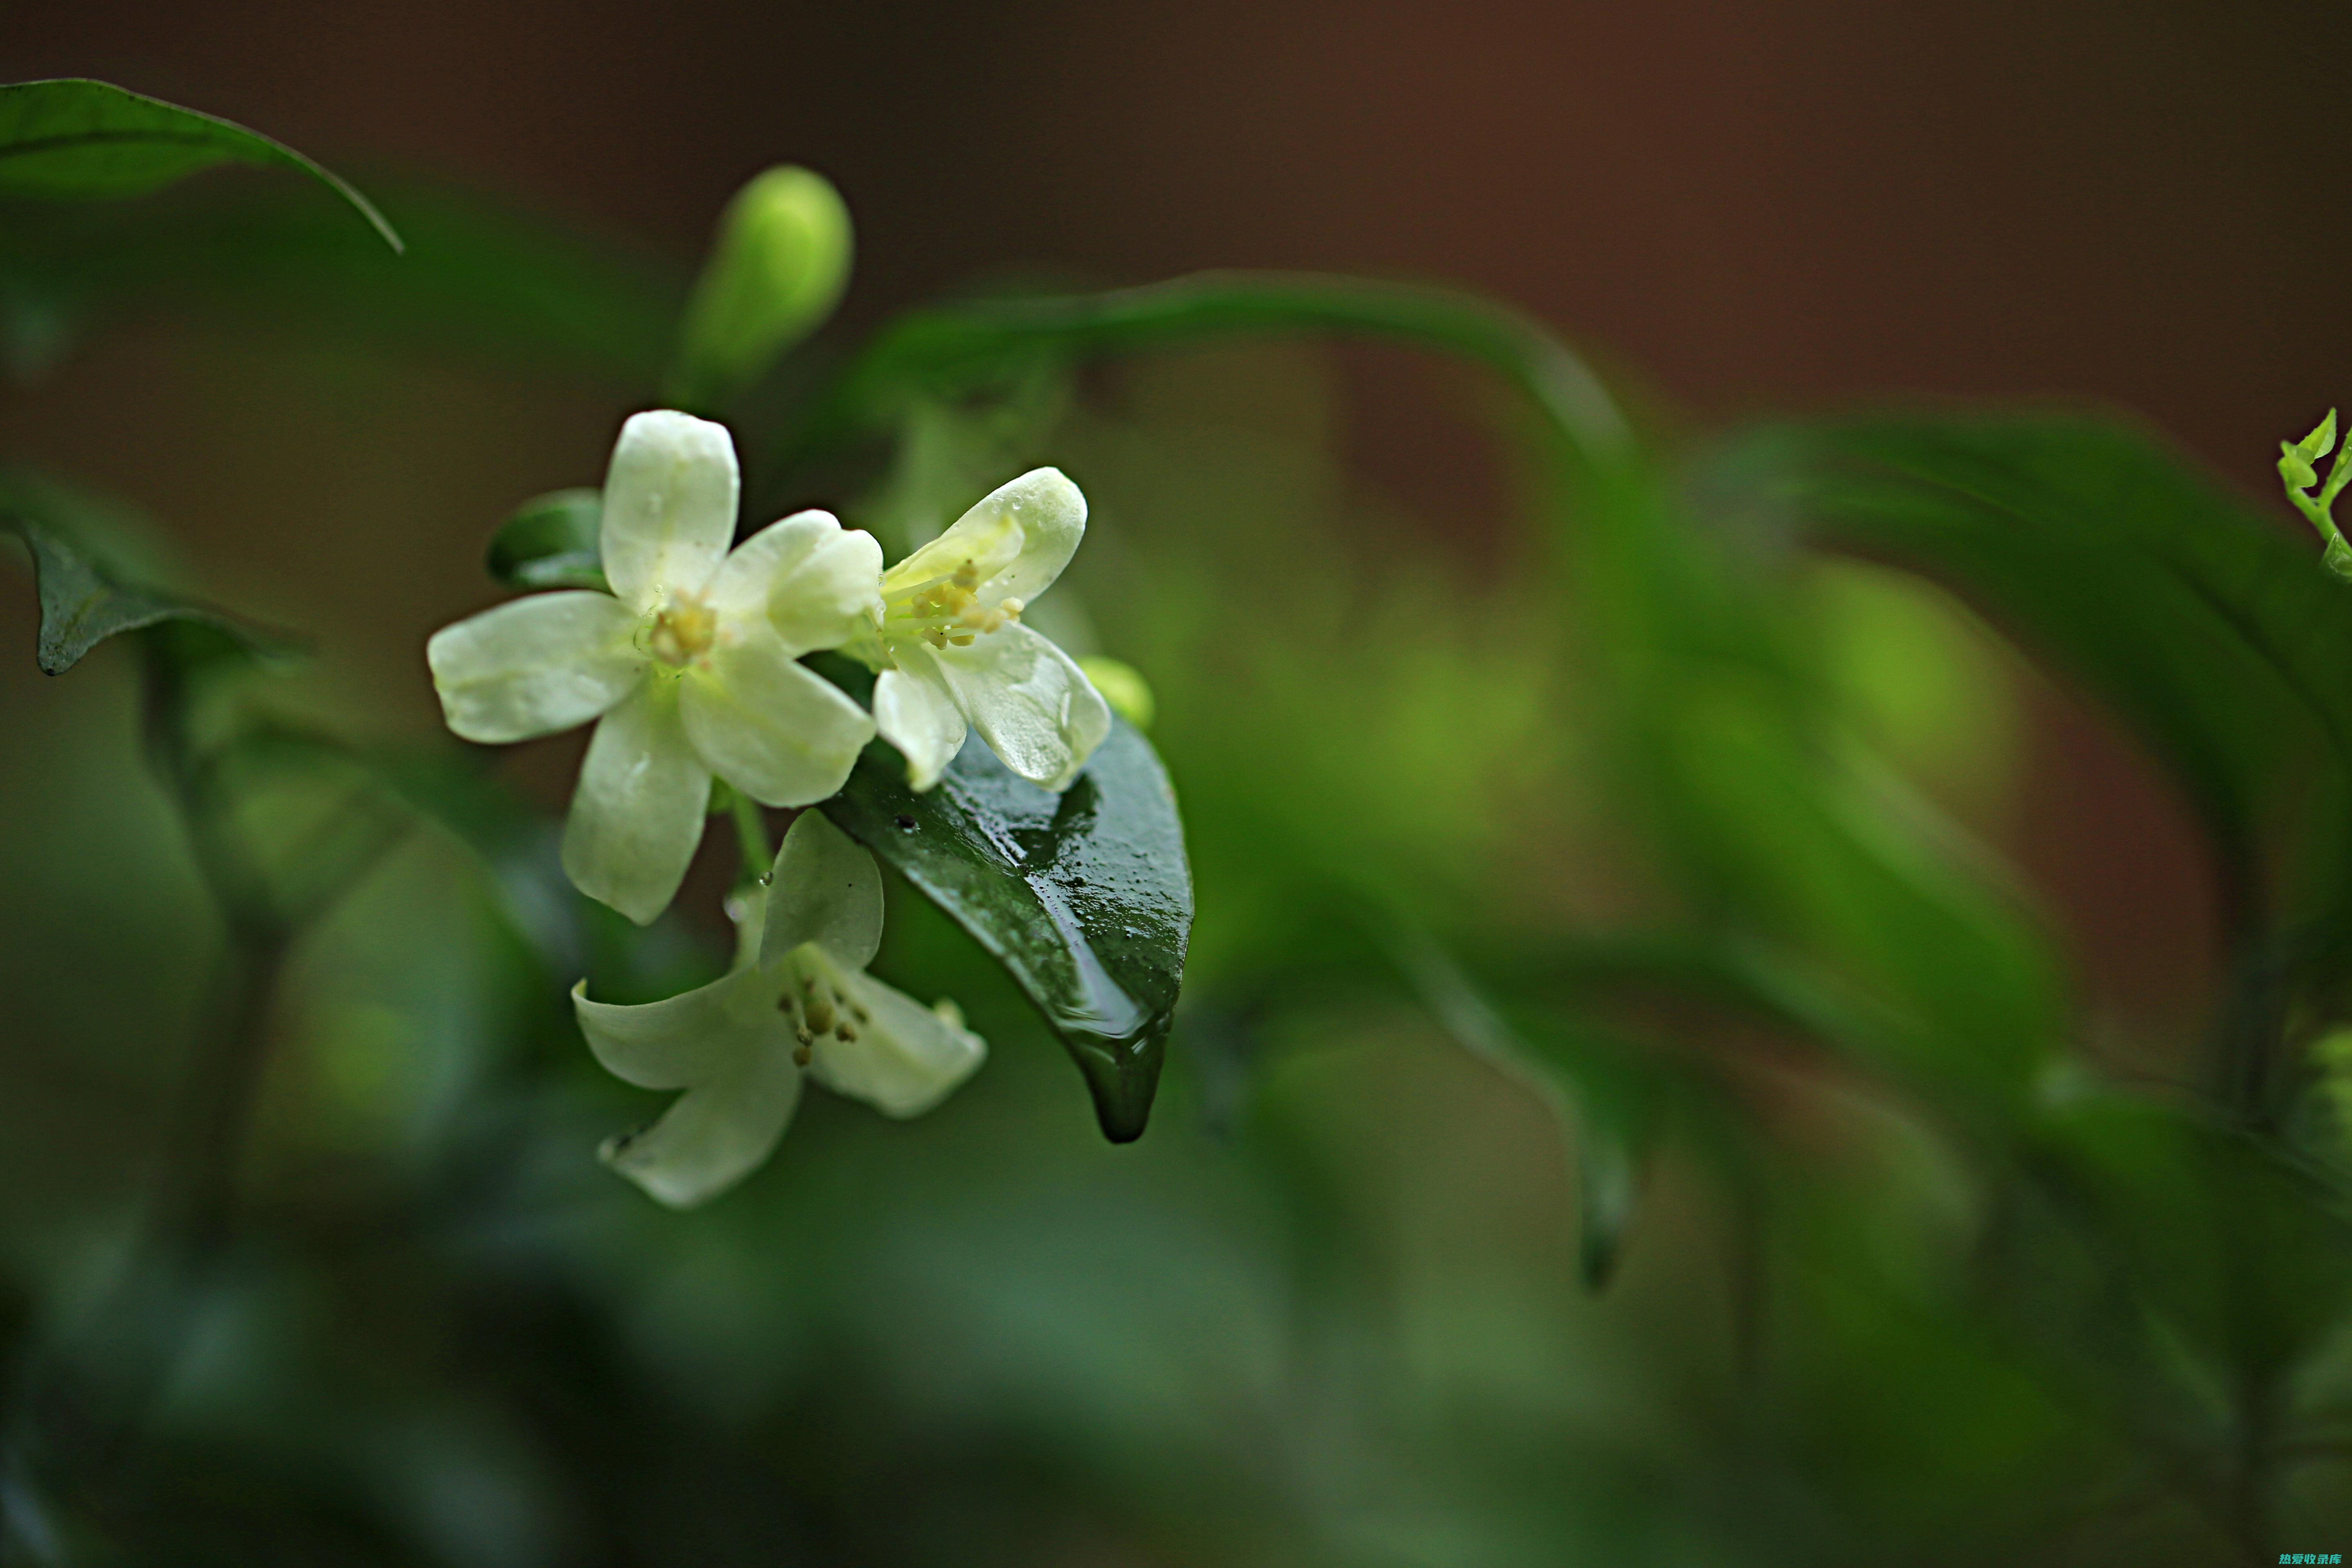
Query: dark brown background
{"points": [[1744, 204]]}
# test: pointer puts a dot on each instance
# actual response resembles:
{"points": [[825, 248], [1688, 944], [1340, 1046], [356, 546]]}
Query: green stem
{"points": [[937, 350], [2317, 509], [750, 836]]}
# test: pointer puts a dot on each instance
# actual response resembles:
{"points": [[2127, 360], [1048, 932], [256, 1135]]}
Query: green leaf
{"points": [[2320, 442], [550, 541], [2201, 624], [80, 138], [84, 601], [1086, 898], [1726, 753], [481, 280], [940, 353], [2204, 625], [1609, 1103]]}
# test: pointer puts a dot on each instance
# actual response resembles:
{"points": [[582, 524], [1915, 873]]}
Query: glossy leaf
{"points": [[550, 541], [80, 138], [84, 601], [1085, 897]]}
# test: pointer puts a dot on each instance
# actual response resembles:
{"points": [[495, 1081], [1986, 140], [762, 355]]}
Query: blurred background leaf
{"points": [[84, 139]]}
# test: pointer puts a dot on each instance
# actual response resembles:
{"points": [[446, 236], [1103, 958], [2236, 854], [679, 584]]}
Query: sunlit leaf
{"points": [[80, 138], [1085, 897]]}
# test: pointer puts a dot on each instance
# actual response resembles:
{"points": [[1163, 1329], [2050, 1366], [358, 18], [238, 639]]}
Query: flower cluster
{"points": [[690, 669]]}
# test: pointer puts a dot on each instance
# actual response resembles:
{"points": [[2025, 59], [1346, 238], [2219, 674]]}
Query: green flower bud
{"points": [[2295, 468], [1123, 686], [776, 270]]}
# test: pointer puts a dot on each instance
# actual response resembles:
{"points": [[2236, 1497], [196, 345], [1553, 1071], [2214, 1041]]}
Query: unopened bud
{"points": [[775, 272], [1123, 686]]}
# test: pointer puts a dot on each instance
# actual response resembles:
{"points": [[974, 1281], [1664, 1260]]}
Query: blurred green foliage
{"points": [[1602, 919]]}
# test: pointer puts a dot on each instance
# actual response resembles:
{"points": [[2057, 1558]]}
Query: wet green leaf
{"points": [[550, 541], [80, 138], [1086, 898]]}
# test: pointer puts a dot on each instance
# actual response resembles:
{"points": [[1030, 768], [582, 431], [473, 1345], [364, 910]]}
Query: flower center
{"points": [[682, 632], [944, 611], [818, 1007]]}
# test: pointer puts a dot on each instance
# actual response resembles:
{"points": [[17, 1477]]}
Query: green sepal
{"points": [[77, 138], [1085, 898], [550, 541]]}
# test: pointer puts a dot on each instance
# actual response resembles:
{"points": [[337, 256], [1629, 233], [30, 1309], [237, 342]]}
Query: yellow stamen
{"points": [[682, 632], [945, 611]]}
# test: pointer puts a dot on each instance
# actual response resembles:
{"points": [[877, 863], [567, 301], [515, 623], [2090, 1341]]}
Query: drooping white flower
{"points": [[798, 1000], [953, 654], [689, 664]]}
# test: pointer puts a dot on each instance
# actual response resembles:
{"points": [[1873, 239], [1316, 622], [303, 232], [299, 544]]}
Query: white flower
{"points": [[952, 652], [690, 662], [799, 999]]}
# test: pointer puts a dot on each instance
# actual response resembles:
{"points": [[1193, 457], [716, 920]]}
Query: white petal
{"points": [[687, 1038], [818, 584], [669, 506], [636, 815], [534, 666], [780, 733], [1018, 539], [827, 890], [714, 1134], [1030, 702], [914, 712], [906, 1057]]}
